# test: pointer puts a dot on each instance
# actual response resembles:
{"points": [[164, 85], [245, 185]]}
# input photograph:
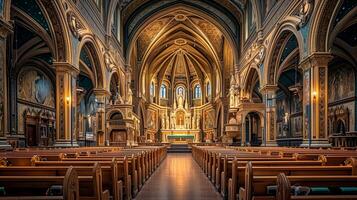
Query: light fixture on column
{"points": [[68, 99], [314, 95]]}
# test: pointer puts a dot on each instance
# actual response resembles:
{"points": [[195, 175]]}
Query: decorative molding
{"points": [[75, 25], [305, 11]]}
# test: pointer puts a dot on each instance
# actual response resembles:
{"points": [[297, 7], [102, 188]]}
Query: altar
{"points": [[180, 124], [180, 136]]}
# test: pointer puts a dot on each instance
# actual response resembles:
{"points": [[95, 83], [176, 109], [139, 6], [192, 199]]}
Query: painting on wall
{"points": [[209, 119], [35, 87], [342, 83], [152, 119]]}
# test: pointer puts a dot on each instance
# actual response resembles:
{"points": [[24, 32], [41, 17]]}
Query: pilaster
{"points": [[270, 130], [66, 104], [315, 101], [101, 98], [5, 29]]}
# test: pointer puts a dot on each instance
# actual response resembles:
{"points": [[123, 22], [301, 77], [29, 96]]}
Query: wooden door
{"points": [[31, 135]]}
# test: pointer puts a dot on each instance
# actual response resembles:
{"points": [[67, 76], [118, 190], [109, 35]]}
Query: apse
{"points": [[183, 61]]}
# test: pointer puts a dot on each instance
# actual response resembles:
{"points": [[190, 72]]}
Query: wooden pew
{"points": [[132, 162], [121, 172], [255, 178], [90, 178], [284, 188], [18, 186]]}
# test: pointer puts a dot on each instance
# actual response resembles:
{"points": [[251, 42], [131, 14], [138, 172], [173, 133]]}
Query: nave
{"points": [[178, 177]]}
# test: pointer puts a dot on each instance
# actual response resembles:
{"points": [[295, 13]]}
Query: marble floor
{"points": [[178, 178]]}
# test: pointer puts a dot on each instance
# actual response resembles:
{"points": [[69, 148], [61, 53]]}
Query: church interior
{"points": [[178, 99]]}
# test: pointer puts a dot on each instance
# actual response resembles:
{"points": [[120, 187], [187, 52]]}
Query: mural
{"points": [[35, 87], [152, 119], [209, 119], [342, 83]]}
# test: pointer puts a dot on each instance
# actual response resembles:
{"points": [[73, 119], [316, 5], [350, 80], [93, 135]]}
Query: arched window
{"points": [[208, 89], [152, 89], [197, 92], [116, 22], [249, 19], [163, 92]]}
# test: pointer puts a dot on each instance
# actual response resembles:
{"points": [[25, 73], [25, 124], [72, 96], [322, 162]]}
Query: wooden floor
{"points": [[178, 178]]}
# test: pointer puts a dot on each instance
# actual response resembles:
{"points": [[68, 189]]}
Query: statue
{"points": [[173, 121], [163, 122], [167, 122], [180, 101], [130, 97], [198, 122], [231, 97], [194, 122]]}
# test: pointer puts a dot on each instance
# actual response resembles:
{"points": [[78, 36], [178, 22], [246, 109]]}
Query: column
{"points": [[315, 102], [66, 97], [5, 29], [101, 99], [269, 98]]}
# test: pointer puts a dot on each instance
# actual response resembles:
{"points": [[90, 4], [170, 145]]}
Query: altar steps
{"points": [[179, 148]]}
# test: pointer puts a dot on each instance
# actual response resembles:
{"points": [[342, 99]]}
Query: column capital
{"points": [[66, 67], [265, 89], [317, 59], [101, 92], [5, 28]]}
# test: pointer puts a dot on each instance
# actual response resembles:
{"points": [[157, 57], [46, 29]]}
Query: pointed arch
{"points": [[96, 58]]}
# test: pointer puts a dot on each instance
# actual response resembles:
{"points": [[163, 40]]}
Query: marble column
{"points": [[101, 98], [66, 97], [270, 130], [5, 30], [315, 101]]}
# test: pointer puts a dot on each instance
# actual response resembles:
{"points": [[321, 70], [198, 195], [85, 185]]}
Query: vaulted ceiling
{"points": [[181, 40], [180, 44]]}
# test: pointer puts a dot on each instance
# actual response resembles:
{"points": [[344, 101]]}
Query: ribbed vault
{"points": [[184, 45]]}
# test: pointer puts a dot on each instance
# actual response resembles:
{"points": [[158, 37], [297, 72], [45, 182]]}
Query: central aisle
{"points": [[178, 178]]}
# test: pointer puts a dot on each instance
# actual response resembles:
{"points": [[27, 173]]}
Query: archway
{"points": [[32, 48], [182, 46], [117, 130], [284, 71], [253, 125], [342, 69]]}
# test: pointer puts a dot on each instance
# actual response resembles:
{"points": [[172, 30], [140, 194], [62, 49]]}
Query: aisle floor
{"points": [[178, 178]]}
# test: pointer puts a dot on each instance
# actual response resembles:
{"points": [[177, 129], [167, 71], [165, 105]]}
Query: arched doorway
{"points": [[253, 126], [117, 131]]}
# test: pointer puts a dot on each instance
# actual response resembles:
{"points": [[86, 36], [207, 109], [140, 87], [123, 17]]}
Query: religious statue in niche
{"points": [[233, 93], [173, 119], [151, 119], [286, 124], [167, 122], [35, 87], [180, 97], [130, 97], [163, 122]]}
